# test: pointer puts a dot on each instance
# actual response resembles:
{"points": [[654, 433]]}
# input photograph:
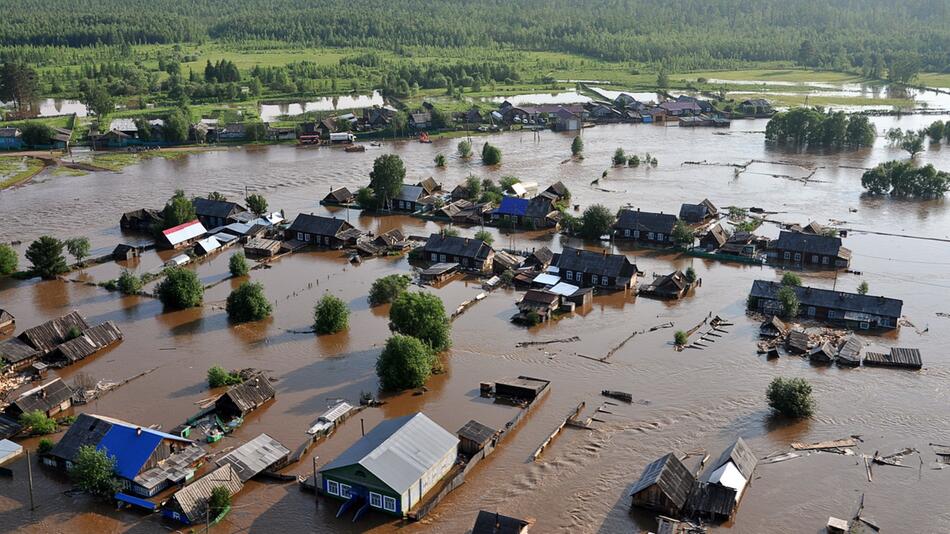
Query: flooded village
{"points": [[592, 385]]}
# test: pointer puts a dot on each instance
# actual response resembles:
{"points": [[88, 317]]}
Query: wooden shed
{"points": [[90, 342], [245, 397], [51, 334], [7, 321], [190, 504], [664, 486], [521, 388], [474, 436], [50, 398]]}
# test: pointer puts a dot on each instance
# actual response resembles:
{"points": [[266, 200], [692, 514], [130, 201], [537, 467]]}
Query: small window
{"points": [[570, 276], [650, 235], [626, 232], [824, 260], [798, 256], [604, 281], [865, 325], [811, 311], [333, 488], [636, 234], [595, 279], [659, 236], [375, 500], [578, 276], [326, 239], [788, 255], [344, 491], [300, 236], [442, 258], [389, 504], [814, 258], [832, 314]]}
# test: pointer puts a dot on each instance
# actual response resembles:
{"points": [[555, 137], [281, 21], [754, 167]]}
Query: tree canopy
{"points": [[902, 179], [94, 471], [257, 204], [8, 259], [421, 315], [385, 290], [491, 155], [237, 265], [404, 363], [248, 303], [386, 178], [46, 255], [813, 127], [596, 221], [331, 315], [790, 397], [180, 289], [178, 210]]}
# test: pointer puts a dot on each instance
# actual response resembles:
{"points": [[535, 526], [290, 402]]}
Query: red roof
{"points": [[181, 226]]}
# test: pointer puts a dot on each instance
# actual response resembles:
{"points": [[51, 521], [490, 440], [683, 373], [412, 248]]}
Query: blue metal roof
{"points": [[513, 206], [131, 446], [135, 501]]}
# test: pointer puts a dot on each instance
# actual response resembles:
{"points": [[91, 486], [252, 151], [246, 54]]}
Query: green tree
{"points": [[860, 131], [863, 288], [237, 265], [421, 315], [78, 248], [180, 289], [214, 195], [619, 156], [439, 160], [46, 255], [790, 397], [248, 303], [219, 376], [219, 501], [789, 302], [935, 131], [505, 182], [98, 100], [405, 362], [37, 134], [485, 235], [330, 315], [45, 446], [680, 338], [596, 221], [255, 131], [94, 471], [385, 290], [912, 143], [633, 161], [128, 283], [366, 198], [8, 259], [663, 79], [38, 423], [257, 204], [465, 148], [473, 187], [19, 84], [178, 210], [690, 274], [387, 177], [177, 125], [577, 146], [491, 155], [791, 279], [682, 233]]}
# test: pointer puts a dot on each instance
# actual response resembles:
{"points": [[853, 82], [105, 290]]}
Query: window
{"points": [[811, 311], [578, 276], [636, 234], [650, 236], [375, 500], [626, 232], [465, 262], [344, 491], [824, 260], [300, 236], [832, 314], [435, 257], [570, 276], [389, 504], [333, 488], [659, 236], [442, 258], [326, 240], [595, 279], [865, 325], [604, 280], [798, 256], [788, 255], [814, 258]]}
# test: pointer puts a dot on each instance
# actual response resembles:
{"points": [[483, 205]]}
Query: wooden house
{"points": [[420, 121], [822, 354], [90, 342], [430, 186], [810, 250], [521, 388], [849, 352], [797, 342], [471, 254], [539, 259], [123, 252], [326, 232], [495, 523], [854, 310], [664, 486], [392, 467], [698, 213], [543, 303], [338, 196], [717, 492], [773, 327], [744, 244], [535, 213], [669, 286], [601, 270], [51, 334], [474, 437], [7, 320], [644, 227], [16, 354], [140, 220], [556, 192], [897, 357], [262, 453], [245, 397], [182, 235], [214, 213], [189, 505], [409, 199], [50, 398], [9, 427], [714, 239]]}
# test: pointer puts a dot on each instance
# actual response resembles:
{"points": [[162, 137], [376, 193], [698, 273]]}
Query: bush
{"points": [[421, 315], [791, 280], [330, 315], [682, 233], [248, 303], [465, 148], [387, 288], [405, 362], [94, 471], [790, 397], [180, 289], [219, 376], [485, 235], [690, 274], [532, 318], [681, 338], [178, 210], [73, 333], [219, 501], [789, 301], [78, 248], [46, 255], [8, 259], [491, 155], [577, 146], [596, 221], [238, 265], [439, 160], [619, 157], [44, 446], [257, 204], [863, 288], [366, 198], [451, 231], [38, 423], [128, 283]]}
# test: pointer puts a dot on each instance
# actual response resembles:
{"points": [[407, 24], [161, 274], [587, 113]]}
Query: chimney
{"points": [[138, 431]]}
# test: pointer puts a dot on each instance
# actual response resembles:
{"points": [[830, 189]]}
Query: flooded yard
{"points": [[689, 400]]}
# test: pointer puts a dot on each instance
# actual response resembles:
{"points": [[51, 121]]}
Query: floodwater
{"points": [[563, 97], [925, 99], [51, 107], [690, 401], [270, 112]]}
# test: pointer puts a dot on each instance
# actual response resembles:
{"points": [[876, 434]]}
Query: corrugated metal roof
{"points": [[123, 125], [564, 289], [547, 279], [184, 232], [9, 450], [398, 451], [255, 456], [193, 499], [207, 244]]}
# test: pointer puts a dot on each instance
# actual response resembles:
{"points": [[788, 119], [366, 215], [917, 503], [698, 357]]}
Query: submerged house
{"points": [[585, 268], [189, 505], [714, 239], [537, 212], [245, 397], [543, 303], [645, 227], [141, 220], [327, 232], [214, 213], [339, 196], [147, 461], [409, 198], [669, 286], [472, 254], [850, 309], [896, 357], [717, 493], [17, 354], [51, 334], [664, 486], [262, 453], [810, 250], [50, 398], [697, 213], [182, 235], [90, 342], [495, 523], [392, 467]]}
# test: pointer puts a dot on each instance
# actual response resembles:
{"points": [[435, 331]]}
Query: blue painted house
{"points": [[511, 209], [11, 139], [147, 461]]}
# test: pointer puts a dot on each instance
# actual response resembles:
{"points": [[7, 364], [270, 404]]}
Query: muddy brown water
{"points": [[691, 400]]}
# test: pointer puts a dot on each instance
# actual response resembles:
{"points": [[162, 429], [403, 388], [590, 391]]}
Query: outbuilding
{"points": [[664, 486]]}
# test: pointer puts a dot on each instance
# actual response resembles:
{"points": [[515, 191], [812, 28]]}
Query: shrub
{"points": [[78, 248], [248, 303], [8, 259], [180, 289], [596, 221], [257, 204], [491, 155], [532, 318], [439, 160], [682, 233], [619, 156], [219, 501], [791, 280], [422, 316], [405, 362], [387, 288], [219, 376], [38, 422], [128, 283], [465, 148], [863, 288], [73, 333], [789, 301], [680, 338], [577, 146], [790, 397], [330, 315], [690, 274], [94, 471], [451, 231], [237, 264], [46, 255], [485, 235], [44, 446]]}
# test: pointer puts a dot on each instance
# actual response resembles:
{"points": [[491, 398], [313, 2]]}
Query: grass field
{"points": [[17, 169]]}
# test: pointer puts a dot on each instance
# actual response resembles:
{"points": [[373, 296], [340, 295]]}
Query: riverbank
{"points": [[17, 170]]}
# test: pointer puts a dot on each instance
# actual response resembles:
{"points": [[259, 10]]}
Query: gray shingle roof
{"points": [[808, 243], [45, 397], [193, 498], [206, 207], [457, 246], [645, 221], [673, 478], [410, 193], [494, 523], [255, 456], [838, 300], [585, 261], [14, 350], [314, 224], [398, 451], [50, 334], [740, 454], [477, 432]]}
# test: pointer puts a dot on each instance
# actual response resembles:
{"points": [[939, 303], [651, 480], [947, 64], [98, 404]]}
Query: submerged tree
{"points": [[491, 155], [178, 210], [790, 397], [8, 259], [577, 146], [465, 148], [78, 247], [596, 221], [257, 204], [331, 315], [385, 290], [93, 470], [46, 255], [386, 178], [405, 362], [237, 265], [248, 303], [619, 156], [789, 302], [180, 289], [421, 315]]}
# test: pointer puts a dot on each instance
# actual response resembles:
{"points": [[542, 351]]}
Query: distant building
{"points": [[670, 286], [645, 227], [339, 196], [327, 232], [697, 213], [49, 399], [472, 254], [810, 250], [214, 213], [11, 139], [585, 268], [393, 466], [140, 220], [851, 309], [245, 397], [409, 198], [713, 239], [182, 235]]}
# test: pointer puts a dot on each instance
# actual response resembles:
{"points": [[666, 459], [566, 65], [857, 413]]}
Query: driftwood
{"points": [[833, 444], [548, 342], [619, 395]]}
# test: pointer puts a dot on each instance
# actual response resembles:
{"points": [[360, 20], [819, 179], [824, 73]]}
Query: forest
{"points": [[680, 34]]}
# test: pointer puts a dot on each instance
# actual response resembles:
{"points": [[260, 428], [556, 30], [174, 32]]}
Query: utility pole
{"points": [[29, 470], [362, 428], [316, 500]]}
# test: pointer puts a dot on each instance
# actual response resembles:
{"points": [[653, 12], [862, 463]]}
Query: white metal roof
{"points": [[729, 476], [564, 289], [553, 269], [179, 260], [547, 279], [184, 232], [9, 450], [123, 125], [518, 189], [329, 417], [399, 451], [208, 244]]}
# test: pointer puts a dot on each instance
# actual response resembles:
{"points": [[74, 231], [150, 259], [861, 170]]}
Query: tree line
{"points": [[814, 127]]}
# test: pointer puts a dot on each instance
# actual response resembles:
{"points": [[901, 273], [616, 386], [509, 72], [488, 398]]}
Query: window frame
{"points": [[378, 497], [570, 275], [346, 491], [386, 500], [594, 279], [331, 484]]}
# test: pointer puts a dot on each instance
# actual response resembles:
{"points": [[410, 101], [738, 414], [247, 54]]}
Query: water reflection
{"points": [[270, 112]]}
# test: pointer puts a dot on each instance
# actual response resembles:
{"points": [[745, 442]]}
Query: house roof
{"points": [[495, 523], [540, 296], [255, 456], [176, 468], [410, 193], [250, 394], [429, 185], [43, 398], [675, 281], [718, 234], [542, 255], [399, 451], [123, 125], [680, 105], [9, 427], [694, 212], [49, 335], [91, 341], [672, 477], [558, 188], [838, 300], [193, 498], [10, 132], [645, 221], [477, 432], [512, 206], [457, 246], [15, 350], [206, 245], [599, 263], [315, 224], [711, 498], [738, 453], [420, 117], [184, 232], [809, 243], [341, 194], [206, 207], [506, 260], [851, 348], [539, 207]]}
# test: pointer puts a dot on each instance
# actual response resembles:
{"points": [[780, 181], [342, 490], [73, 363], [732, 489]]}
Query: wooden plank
{"points": [[833, 444]]}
